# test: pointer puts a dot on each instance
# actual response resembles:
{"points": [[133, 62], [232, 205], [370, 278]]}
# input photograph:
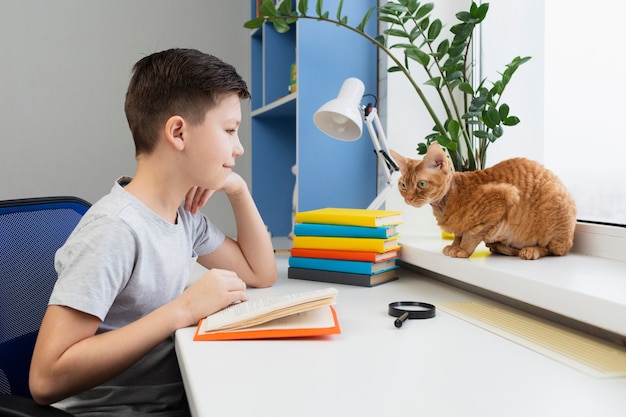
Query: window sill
{"points": [[581, 291]]}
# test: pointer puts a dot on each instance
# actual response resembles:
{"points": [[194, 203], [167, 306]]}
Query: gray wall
{"points": [[64, 69]]}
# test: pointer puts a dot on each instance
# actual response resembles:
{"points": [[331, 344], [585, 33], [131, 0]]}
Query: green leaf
{"points": [[280, 25], [396, 32], [464, 16], [478, 103], [418, 55], [497, 131], [511, 121], [319, 5], [423, 11], [481, 12], [435, 82], [339, 10], [393, 8], [389, 19], [411, 5], [367, 16], [504, 111], [491, 117], [268, 8], [462, 30], [285, 7], [454, 128], [394, 69], [443, 47], [434, 30], [303, 6], [254, 23], [454, 76], [480, 134], [421, 148], [466, 88]]}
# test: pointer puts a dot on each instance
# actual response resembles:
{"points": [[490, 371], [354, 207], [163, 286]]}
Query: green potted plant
{"points": [[473, 114]]}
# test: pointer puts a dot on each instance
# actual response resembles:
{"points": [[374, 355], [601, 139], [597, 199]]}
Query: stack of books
{"points": [[345, 246]]}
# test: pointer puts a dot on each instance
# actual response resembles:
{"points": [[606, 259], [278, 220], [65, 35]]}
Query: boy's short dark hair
{"points": [[184, 82]]}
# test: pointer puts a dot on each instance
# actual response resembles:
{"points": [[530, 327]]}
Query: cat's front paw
{"points": [[531, 253], [455, 252]]}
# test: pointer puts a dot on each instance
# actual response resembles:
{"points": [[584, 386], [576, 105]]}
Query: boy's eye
{"points": [[231, 131]]}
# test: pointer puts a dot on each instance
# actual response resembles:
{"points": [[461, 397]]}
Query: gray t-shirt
{"points": [[120, 263]]}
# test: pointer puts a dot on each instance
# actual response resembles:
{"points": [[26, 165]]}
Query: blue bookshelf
{"points": [[330, 172]]}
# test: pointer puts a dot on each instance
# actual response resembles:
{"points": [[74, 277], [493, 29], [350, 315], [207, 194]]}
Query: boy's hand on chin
{"points": [[197, 197], [234, 184]]}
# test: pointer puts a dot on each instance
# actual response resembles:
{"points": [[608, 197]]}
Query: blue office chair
{"points": [[31, 231]]}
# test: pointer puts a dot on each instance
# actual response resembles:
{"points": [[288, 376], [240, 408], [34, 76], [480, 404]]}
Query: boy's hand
{"points": [[234, 184], [197, 197], [216, 289]]}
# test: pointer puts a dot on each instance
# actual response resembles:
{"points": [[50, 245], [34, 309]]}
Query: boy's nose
{"points": [[238, 148]]}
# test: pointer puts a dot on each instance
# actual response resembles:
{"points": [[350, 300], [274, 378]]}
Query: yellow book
{"points": [[347, 243], [350, 217]]}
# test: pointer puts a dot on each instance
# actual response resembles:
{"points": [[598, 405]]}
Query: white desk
{"points": [[437, 367]]}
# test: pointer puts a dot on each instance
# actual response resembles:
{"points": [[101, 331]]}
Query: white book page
{"points": [[320, 317], [262, 309]]}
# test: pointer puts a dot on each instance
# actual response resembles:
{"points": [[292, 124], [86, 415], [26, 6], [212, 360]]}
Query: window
{"points": [[574, 110]]}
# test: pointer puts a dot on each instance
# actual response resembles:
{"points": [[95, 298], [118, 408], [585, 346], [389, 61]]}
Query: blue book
{"points": [[336, 230], [354, 267]]}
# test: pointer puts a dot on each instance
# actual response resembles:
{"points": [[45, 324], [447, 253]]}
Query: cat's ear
{"points": [[400, 160], [435, 157]]}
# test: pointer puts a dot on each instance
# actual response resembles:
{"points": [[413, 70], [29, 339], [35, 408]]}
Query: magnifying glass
{"points": [[404, 310]]}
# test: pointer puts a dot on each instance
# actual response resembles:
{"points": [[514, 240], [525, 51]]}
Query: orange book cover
{"points": [[344, 254], [317, 322]]}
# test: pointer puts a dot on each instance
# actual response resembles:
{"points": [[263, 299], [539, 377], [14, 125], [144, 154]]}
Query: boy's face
{"points": [[214, 144]]}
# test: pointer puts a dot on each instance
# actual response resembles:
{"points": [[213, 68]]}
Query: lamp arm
{"points": [[379, 140]]}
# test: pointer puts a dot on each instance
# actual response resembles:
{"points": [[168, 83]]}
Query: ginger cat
{"points": [[516, 207]]}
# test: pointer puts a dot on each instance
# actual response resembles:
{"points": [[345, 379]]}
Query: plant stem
{"points": [[382, 47]]}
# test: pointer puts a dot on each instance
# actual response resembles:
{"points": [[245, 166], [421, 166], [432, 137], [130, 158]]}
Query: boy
{"points": [[105, 346]]}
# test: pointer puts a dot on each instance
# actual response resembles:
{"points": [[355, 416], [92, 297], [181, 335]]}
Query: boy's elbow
{"points": [[42, 391], [40, 394], [266, 279]]}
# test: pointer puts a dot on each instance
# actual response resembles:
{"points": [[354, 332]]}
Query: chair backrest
{"points": [[31, 231]]}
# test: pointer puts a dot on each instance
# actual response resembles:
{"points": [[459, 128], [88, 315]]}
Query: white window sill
{"points": [[579, 290]]}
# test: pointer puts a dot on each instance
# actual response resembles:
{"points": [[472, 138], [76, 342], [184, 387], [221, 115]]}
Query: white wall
{"points": [[64, 69]]}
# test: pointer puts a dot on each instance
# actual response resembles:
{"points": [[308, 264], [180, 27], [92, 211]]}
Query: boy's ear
{"points": [[174, 132]]}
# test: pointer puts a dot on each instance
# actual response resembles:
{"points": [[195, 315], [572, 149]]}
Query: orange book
{"points": [[347, 255], [302, 314], [317, 322]]}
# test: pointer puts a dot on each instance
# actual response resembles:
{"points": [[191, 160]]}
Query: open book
{"points": [[302, 314]]}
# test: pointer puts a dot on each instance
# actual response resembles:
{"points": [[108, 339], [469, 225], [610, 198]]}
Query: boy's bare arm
{"points": [[251, 256], [70, 358]]}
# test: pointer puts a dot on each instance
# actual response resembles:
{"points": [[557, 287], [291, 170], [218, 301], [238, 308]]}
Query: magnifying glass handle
{"points": [[401, 319]]}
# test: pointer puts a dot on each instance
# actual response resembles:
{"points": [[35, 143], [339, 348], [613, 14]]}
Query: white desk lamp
{"points": [[341, 118]]}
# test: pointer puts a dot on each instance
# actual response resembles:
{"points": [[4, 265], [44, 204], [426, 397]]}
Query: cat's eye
{"points": [[422, 184], [402, 185]]}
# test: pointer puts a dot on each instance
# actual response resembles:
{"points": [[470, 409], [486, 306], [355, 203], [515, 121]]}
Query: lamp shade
{"points": [[341, 117]]}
